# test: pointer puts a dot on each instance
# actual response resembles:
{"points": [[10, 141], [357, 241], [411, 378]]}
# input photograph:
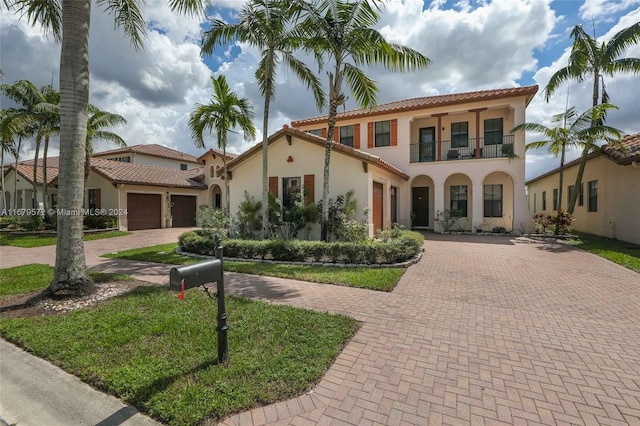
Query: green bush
{"points": [[100, 222], [399, 249]]}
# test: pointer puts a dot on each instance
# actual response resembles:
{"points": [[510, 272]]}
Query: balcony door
{"points": [[427, 146]]}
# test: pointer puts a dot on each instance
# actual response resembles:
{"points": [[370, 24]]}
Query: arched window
{"points": [[212, 172]]}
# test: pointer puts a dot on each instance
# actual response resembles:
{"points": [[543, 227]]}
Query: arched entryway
{"points": [[216, 196], [422, 204], [498, 200], [458, 199]]}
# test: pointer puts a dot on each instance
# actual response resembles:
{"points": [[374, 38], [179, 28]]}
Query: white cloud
{"points": [[592, 9]]}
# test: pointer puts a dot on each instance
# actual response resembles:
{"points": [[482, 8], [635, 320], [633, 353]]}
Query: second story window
{"points": [[459, 134], [317, 132], [383, 133], [493, 131], [346, 135], [183, 167]]}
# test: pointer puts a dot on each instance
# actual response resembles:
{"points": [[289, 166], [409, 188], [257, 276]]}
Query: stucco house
{"points": [[609, 199], [407, 160]]}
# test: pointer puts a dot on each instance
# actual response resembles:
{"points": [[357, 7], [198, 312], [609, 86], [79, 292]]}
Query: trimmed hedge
{"points": [[399, 249]]}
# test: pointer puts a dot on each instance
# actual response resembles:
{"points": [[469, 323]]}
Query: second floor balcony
{"points": [[467, 149]]}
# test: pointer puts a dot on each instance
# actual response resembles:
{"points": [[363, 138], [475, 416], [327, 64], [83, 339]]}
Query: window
{"points": [[593, 196], [535, 207], [126, 159], [212, 172], [54, 200], [493, 201], [394, 204], [317, 132], [493, 131], [544, 200], [94, 199], [383, 133], [346, 135], [290, 187], [555, 198], [459, 134], [183, 167], [581, 195], [459, 199], [569, 192]]}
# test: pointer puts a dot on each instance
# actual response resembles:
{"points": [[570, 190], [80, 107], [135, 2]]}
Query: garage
{"points": [[144, 211], [183, 210]]}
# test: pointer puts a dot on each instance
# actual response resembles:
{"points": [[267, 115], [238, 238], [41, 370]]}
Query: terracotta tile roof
{"points": [[427, 102], [289, 131], [153, 150], [631, 152], [51, 162], [214, 152], [139, 174], [26, 171]]}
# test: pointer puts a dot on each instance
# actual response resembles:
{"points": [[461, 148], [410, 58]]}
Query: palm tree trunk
{"points": [[71, 270], [44, 172], [333, 112], [265, 163], [557, 228], [15, 181], [34, 199], [585, 152], [4, 194], [226, 175]]}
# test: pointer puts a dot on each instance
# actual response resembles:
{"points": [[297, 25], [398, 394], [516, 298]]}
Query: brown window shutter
{"points": [[370, 134], [98, 198], [394, 132], [309, 188], [356, 136], [336, 134], [273, 185], [324, 132]]}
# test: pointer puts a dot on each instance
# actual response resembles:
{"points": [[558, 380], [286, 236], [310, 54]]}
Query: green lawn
{"points": [[27, 278], [29, 241], [625, 254], [383, 279], [158, 353]]}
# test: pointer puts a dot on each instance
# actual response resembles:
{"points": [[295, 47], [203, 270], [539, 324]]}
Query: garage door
{"points": [[144, 211], [183, 210]]}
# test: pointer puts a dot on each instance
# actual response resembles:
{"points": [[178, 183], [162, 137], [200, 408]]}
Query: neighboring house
{"points": [[296, 163], [142, 196], [609, 199], [212, 161], [450, 152], [151, 155]]}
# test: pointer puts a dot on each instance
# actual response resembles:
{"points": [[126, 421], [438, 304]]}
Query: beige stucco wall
{"points": [[513, 113], [210, 178], [24, 192], [618, 199], [346, 173]]}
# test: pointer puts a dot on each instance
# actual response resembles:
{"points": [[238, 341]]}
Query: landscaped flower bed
{"points": [[402, 248]]}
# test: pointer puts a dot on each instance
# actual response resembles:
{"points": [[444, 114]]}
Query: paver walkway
{"points": [[483, 330]]}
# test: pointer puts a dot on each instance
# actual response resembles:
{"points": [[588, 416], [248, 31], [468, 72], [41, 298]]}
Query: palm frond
{"points": [[307, 77], [363, 88], [189, 7], [624, 65], [531, 127], [47, 12], [620, 42], [128, 16]]}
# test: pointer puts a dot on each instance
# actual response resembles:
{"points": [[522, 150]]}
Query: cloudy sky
{"points": [[473, 45]]}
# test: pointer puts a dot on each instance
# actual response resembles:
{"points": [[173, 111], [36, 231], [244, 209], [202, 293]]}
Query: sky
{"points": [[473, 45]]}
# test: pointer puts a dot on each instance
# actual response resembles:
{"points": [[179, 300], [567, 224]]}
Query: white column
{"points": [[477, 213], [438, 201]]}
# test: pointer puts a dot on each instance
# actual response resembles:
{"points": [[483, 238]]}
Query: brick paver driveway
{"points": [[484, 330]]}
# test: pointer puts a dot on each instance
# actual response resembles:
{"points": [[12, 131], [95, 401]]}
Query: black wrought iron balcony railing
{"points": [[465, 149]]}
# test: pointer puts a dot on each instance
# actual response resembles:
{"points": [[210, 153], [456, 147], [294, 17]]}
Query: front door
{"points": [[420, 206], [427, 146], [378, 206]]}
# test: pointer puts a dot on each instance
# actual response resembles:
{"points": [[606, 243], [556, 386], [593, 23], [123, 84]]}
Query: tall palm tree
{"points": [[48, 118], [97, 123], [269, 26], [69, 21], [8, 146], [575, 130], [343, 31], [589, 58], [223, 113]]}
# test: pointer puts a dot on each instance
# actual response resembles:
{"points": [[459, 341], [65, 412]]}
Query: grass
{"points": [[383, 279], [158, 353], [29, 241], [27, 278], [620, 252]]}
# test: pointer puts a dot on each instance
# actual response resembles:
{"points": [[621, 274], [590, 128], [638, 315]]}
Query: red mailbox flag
{"points": [[181, 295]]}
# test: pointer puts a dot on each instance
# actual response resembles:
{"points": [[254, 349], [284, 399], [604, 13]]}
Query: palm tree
{"points": [[69, 22], [48, 117], [575, 131], [225, 112], [343, 31], [8, 145], [590, 58], [267, 25], [97, 122]]}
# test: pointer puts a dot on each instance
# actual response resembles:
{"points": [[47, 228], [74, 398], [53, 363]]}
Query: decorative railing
{"points": [[462, 149]]}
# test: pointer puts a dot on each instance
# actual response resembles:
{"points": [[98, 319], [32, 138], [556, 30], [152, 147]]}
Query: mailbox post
{"points": [[198, 274]]}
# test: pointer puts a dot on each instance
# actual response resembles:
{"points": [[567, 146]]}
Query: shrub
{"points": [[558, 224], [248, 218], [35, 223], [100, 222], [10, 222], [213, 220], [448, 219]]}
